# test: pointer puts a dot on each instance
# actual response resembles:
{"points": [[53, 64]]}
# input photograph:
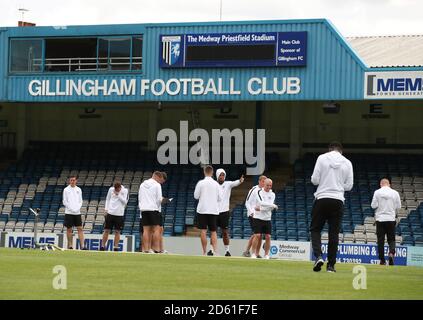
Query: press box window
{"points": [[115, 54], [136, 53], [83, 54], [26, 55], [120, 54], [71, 54]]}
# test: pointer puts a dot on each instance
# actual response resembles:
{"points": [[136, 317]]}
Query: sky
{"points": [[350, 17]]}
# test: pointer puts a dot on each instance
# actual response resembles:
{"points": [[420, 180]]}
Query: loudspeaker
{"points": [[331, 108]]}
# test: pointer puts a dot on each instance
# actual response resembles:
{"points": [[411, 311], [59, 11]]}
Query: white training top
{"points": [[386, 202], [150, 196], [333, 173], [266, 202], [72, 200], [250, 202], [207, 191], [225, 191], [116, 203]]}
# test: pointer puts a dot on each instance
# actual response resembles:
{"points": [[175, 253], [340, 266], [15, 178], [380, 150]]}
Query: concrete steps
{"points": [[281, 176], [239, 193]]}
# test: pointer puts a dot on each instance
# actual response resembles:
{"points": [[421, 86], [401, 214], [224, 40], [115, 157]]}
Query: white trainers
{"points": [[253, 256], [267, 257]]}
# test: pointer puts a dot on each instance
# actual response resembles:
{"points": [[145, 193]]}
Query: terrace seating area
{"points": [[291, 221], [37, 180]]}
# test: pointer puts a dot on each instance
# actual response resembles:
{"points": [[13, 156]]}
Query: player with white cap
{"points": [[223, 218]]}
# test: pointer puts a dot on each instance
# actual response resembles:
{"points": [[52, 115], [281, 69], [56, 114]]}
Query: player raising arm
{"points": [[224, 214]]}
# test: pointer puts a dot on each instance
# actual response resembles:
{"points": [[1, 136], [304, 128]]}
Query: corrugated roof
{"points": [[389, 51]]}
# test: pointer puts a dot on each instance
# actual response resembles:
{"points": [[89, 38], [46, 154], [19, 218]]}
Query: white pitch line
{"points": [[177, 254]]}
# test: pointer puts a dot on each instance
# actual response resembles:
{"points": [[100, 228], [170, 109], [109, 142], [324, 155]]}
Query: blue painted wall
{"points": [[333, 71]]}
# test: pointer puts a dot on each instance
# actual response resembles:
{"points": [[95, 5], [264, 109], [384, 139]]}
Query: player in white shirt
{"points": [[333, 175], [72, 200], [150, 204], [265, 199], [207, 191], [386, 202], [116, 200], [159, 247], [223, 217], [250, 205]]}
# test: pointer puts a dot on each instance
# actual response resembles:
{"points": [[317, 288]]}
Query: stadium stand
{"points": [[295, 201], [38, 179]]}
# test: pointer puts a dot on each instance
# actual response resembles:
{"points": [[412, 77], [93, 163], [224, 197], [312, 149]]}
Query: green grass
{"points": [[28, 274]]}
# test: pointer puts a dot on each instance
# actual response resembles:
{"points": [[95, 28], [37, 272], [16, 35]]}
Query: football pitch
{"points": [[28, 274]]}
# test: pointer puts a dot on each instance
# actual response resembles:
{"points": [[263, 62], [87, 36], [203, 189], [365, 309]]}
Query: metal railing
{"points": [[89, 64]]}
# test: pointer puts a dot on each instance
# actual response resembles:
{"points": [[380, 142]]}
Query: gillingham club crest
{"points": [[171, 50]]}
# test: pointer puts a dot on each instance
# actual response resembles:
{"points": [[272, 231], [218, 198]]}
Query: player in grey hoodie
{"points": [[333, 174], [386, 202]]}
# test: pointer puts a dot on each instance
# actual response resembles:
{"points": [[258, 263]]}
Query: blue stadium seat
{"points": [[292, 235], [418, 241]]}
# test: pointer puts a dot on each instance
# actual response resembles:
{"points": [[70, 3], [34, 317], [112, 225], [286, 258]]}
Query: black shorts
{"points": [[72, 220], [207, 221], [151, 218], [223, 220], [113, 222], [261, 226], [251, 220]]}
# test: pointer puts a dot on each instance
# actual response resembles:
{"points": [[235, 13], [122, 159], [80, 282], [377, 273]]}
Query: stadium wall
{"points": [[333, 70], [295, 123]]}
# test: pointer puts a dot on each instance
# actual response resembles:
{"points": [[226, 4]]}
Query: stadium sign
{"points": [[245, 49], [365, 253], [93, 242], [124, 87], [290, 250], [415, 256], [393, 85], [26, 240]]}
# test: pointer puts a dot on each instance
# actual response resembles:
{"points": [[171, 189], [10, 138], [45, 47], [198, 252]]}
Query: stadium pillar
{"points": [[152, 129], [259, 125], [20, 129], [295, 134]]}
